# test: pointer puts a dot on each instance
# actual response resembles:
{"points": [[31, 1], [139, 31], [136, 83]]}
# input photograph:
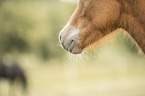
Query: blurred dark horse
{"points": [[13, 73]]}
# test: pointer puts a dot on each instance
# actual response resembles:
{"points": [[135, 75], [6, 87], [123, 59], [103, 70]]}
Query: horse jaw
{"points": [[69, 38]]}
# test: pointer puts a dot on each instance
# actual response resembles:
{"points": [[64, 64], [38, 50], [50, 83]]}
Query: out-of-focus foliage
{"points": [[32, 26]]}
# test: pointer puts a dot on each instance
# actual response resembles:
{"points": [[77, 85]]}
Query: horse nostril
{"points": [[72, 41], [60, 38]]}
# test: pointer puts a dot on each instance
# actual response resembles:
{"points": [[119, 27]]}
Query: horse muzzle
{"points": [[69, 39]]}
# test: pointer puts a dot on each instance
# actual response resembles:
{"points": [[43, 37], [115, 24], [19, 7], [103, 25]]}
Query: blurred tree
{"points": [[33, 26], [11, 42]]}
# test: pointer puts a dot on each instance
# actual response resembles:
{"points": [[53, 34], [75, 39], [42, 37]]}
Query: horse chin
{"points": [[76, 50]]}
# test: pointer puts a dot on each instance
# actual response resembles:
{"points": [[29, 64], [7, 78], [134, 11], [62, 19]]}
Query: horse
{"points": [[13, 73], [92, 20]]}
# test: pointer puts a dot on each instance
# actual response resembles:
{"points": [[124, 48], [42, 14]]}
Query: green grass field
{"points": [[118, 75]]}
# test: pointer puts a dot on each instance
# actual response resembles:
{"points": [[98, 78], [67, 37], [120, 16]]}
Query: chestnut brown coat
{"points": [[97, 18]]}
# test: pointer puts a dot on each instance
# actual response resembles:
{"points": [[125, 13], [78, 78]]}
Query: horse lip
{"points": [[64, 47], [75, 50], [78, 52]]}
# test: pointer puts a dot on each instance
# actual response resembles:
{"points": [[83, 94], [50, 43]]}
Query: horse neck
{"points": [[133, 21]]}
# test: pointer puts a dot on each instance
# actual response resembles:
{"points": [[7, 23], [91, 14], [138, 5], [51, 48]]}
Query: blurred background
{"points": [[34, 64]]}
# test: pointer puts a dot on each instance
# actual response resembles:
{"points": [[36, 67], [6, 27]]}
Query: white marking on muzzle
{"points": [[70, 39]]}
